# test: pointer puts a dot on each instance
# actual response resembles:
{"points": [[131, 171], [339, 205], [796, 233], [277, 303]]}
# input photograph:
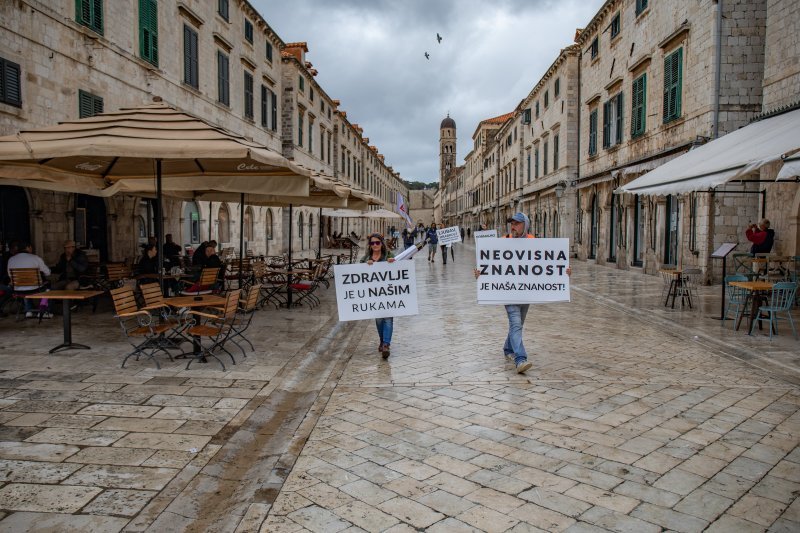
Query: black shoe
{"points": [[386, 351]]}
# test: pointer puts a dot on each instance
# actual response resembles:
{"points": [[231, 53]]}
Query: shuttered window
{"points": [[248, 95], [190, 58], [638, 105], [223, 79], [612, 121], [264, 106], [555, 153], [544, 159], [300, 129], [148, 31], [10, 84], [248, 31], [89, 104], [89, 13], [673, 81], [222, 8], [269, 52], [274, 121], [593, 132]]}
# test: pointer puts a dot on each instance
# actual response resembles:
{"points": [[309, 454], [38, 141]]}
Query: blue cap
{"points": [[518, 217]]}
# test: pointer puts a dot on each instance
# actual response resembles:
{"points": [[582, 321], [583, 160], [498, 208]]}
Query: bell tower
{"points": [[447, 148]]}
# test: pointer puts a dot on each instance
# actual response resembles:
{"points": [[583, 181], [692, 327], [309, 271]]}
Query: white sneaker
{"points": [[30, 314], [47, 314], [522, 366], [510, 356]]}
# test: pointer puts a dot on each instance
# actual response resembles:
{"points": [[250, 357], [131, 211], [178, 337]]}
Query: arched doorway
{"points": [[15, 224], [91, 224], [223, 225]]}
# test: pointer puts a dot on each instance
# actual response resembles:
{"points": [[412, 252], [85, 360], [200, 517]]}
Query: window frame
{"points": [[95, 14], [191, 59], [7, 66], [594, 48], [268, 51], [641, 6], [248, 30], [616, 25], [148, 31], [593, 131], [223, 9]]}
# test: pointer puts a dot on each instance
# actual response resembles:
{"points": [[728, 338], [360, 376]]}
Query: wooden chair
{"points": [[25, 277], [248, 305], [217, 328], [155, 304], [204, 285], [138, 324], [115, 276]]}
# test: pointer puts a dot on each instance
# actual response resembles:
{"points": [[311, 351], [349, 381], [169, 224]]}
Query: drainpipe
{"points": [[717, 68]]}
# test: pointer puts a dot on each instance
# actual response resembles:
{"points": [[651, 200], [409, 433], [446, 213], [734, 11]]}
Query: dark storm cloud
{"points": [[370, 55]]}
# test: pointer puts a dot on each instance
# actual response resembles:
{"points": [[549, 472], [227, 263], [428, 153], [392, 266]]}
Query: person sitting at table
{"points": [[71, 265], [199, 255], [213, 261], [172, 251], [148, 265], [25, 258], [761, 236]]}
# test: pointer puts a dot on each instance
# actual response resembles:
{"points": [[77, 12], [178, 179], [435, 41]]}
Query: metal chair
{"points": [[155, 304], [687, 288], [138, 324], [244, 316], [736, 296], [781, 301], [743, 264], [667, 279]]}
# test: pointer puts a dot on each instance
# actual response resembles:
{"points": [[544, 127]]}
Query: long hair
{"points": [[384, 249]]}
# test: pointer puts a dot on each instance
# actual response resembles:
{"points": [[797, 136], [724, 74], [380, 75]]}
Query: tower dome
{"points": [[448, 123]]}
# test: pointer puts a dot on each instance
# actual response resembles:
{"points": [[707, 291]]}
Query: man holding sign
{"points": [[518, 273]]}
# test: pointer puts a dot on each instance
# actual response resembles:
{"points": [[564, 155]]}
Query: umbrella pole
{"points": [[241, 238], [319, 239], [289, 266], [160, 221]]}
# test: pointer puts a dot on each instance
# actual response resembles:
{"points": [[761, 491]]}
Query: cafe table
{"points": [[757, 292], [66, 297], [194, 303]]}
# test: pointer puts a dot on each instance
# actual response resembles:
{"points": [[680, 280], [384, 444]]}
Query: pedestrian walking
{"points": [[379, 252], [409, 236], [513, 347], [433, 241], [444, 248]]}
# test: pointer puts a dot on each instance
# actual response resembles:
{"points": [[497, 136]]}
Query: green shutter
{"points": [[89, 13], [148, 30], [673, 81], [620, 118], [639, 105], [89, 104], [606, 124], [274, 124], [593, 132]]}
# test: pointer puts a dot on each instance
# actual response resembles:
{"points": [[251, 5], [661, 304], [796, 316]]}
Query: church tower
{"points": [[447, 148]]}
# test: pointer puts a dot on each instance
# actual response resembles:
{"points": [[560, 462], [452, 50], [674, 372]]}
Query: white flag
{"points": [[402, 208]]}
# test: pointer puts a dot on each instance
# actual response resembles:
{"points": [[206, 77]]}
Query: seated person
{"points": [[761, 236], [172, 251], [199, 255], [71, 265], [148, 264], [213, 261], [27, 259]]}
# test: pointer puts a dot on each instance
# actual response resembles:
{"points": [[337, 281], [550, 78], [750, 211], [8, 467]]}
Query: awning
{"points": [[733, 156]]}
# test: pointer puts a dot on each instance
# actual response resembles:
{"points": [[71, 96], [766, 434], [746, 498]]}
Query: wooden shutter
{"points": [[264, 106], [190, 59], [607, 124], [673, 78], [222, 78], [148, 30], [10, 84], [97, 16], [593, 132], [638, 105], [248, 95], [274, 125], [620, 115]]}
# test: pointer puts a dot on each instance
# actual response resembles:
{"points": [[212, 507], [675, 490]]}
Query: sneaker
{"points": [[386, 351], [509, 356], [522, 366], [30, 314], [46, 314]]}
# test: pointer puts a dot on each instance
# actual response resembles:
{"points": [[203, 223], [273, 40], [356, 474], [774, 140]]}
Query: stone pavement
{"points": [[633, 418]]}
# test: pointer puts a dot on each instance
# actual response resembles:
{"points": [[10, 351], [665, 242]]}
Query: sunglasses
{"points": [[375, 243]]}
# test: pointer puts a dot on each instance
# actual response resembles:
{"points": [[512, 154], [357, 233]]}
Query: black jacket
{"points": [[72, 269]]}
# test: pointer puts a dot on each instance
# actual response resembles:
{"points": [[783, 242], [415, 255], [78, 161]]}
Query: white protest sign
{"points": [[448, 235], [485, 233], [523, 271], [376, 291]]}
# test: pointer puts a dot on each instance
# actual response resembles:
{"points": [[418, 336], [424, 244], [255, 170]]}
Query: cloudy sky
{"points": [[370, 55]]}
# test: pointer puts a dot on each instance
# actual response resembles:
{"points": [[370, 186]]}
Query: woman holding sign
{"points": [[379, 252]]}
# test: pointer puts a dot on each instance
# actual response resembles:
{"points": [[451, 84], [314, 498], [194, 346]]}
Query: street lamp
{"points": [[560, 187]]}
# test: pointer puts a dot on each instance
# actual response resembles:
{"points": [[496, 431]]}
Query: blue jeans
{"points": [[384, 326], [516, 319]]}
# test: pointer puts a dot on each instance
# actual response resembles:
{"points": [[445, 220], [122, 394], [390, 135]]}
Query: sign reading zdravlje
{"points": [[376, 291], [448, 235], [523, 271]]}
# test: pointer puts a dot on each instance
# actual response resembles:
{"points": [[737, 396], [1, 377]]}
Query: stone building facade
{"points": [[644, 83], [218, 60]]}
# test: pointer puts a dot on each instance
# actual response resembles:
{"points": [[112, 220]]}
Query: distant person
{"points": [[148, 264], [72, 264], [199, 255], [408, 238], [469, 231], [379, 252], [761, 236], [444, 249], [25, 258]]}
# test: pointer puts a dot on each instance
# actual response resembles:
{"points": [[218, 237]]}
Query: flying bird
{"points": [[427, 56], [438, 37]]}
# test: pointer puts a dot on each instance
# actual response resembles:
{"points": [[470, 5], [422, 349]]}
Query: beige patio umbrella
{"points": [[136, 150]]}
